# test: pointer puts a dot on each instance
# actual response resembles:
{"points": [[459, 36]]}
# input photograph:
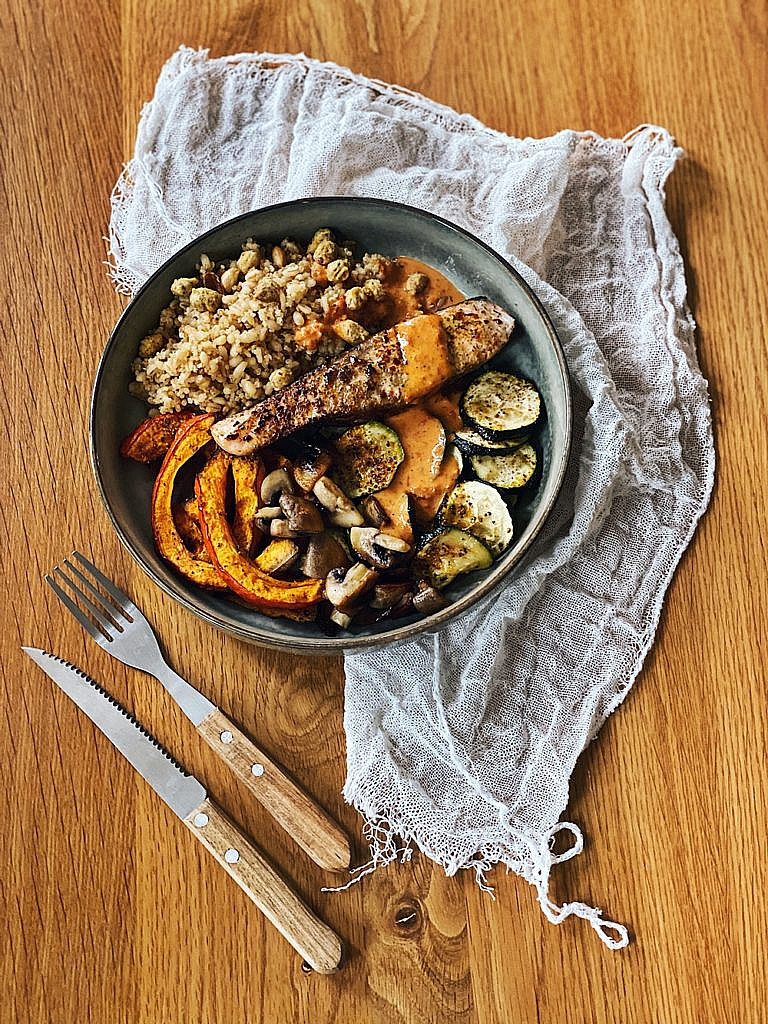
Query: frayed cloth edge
{"points": [[389, 842]]}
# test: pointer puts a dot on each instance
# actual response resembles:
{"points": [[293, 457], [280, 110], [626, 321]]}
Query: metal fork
{"points": [[117, 625]]}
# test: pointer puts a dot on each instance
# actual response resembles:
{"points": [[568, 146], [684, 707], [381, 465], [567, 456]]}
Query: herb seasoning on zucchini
{"points": [[448, 555], [479, 509], [507, 472], [501, 406], [367, 458]]}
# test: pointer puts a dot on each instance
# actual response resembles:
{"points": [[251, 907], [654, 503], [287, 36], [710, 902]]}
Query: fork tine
{"points": [[65, 599], [104, 625], [114, 613], [114, 592]]}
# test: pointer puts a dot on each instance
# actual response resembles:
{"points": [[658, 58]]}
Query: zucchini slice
{"points": [[450, 554], [479, 509], [472, 443], [507, 472], [501, 406], [367, 458]]}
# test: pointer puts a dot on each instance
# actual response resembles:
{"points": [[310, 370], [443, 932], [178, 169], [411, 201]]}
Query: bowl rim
{"points": [[431, 623]]}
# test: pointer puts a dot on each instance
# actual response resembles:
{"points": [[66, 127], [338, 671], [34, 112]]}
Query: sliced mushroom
{"points": [[324, 553], [386, 540], [403, 607], [365, 542], [386, 595], [426, 599], [275, 483], [373, 511], [269, 512], [302, 515], [341, 618], [309, 466], [341, 510], [344, 589], [280, 528]]}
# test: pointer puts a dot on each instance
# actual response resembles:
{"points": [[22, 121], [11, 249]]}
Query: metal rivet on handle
{"points": [[257, 769], [231, 856], [201, 820], [226, 736]]}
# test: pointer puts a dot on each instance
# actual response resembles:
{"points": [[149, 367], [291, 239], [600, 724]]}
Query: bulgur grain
{"points": [[219, 353]]}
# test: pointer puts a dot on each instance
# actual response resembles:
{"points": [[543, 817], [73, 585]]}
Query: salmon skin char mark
{"points": [[368, 380]]}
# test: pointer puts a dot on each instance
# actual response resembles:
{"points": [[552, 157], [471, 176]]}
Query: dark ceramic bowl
{"points": [[379, 226]]}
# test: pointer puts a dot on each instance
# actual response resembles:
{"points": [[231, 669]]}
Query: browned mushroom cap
{"points": [[386, 595], [324, 552], [373, 511], [426, 599], [302, 515], [309, 466], [378, 549], [274, 483], [403, 607], [341, 511], [344, 589]]}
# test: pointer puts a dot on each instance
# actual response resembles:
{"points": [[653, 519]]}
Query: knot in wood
{"points": [[408, 917]]}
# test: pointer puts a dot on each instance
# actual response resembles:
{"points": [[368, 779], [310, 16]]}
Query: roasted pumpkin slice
{"points": [[187, 522], [248, 475], [153, 436], [277, 556], [242, 575], [190, 439]]}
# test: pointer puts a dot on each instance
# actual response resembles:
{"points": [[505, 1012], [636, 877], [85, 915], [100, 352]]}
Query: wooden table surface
{"points": [[110, 913]]}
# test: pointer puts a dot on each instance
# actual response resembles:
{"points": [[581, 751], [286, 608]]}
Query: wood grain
{"points": [[308, 824], [320, 948], [109, 913]]}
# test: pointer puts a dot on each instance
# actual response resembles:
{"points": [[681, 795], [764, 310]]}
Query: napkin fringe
{"points": [[388, 842]]}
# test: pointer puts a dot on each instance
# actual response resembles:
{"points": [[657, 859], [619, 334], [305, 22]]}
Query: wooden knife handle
{"points": [[313, 940], [307, 823]]}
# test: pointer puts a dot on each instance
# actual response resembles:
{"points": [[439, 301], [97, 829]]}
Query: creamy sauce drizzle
{"points": [[425, 353], [424, 476], [445, 405], [439, 292]]}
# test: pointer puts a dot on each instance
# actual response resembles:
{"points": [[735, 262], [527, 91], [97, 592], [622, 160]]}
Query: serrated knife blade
{"points": [[181, 791]]}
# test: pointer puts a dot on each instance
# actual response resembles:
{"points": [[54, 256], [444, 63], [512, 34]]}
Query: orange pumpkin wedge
{"points": [[241, 574], [153, 436], [187, 520], [189, 440], [277, 555], [248, 475]]}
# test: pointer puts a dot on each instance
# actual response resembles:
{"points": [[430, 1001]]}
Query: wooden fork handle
{"points": [[307, 823], [309, 936]]}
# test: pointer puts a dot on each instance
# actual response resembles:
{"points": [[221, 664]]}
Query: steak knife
{"points": [[320, 947]]}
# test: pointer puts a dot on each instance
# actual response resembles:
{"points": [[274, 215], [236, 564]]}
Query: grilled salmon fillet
{"points": [[382, 374]]}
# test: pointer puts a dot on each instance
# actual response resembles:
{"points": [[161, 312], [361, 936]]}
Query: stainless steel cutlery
{"points": [[320, 947], [117, 625]]}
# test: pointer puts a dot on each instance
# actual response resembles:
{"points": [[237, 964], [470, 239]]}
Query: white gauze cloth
{"points": [[463, 743]]}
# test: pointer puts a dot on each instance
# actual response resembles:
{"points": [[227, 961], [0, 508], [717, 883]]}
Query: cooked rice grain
{"points": [[241, 330]]}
